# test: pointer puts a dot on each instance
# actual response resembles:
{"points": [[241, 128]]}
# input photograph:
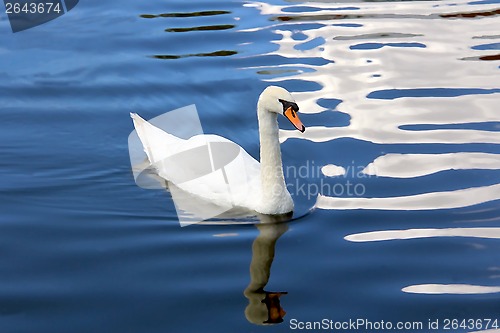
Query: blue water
{"points": [[411, 88]]}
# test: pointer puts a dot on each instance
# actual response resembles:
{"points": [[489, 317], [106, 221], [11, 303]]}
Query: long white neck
{"points": [[275, 196]]}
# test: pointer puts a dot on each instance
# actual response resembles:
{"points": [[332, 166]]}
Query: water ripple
{"points": [[203, 28], [192, 14], [221, 53], [429, 92], [375, 46]]}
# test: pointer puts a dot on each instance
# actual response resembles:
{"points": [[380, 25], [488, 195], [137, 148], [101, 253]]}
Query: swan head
{"points": [[279, 100]]}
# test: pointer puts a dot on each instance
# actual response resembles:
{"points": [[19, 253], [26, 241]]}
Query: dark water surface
{"points": [[401, 104]]}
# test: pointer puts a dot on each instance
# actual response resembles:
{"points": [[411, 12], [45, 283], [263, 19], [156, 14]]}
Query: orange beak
{"points": [[294, 119]]}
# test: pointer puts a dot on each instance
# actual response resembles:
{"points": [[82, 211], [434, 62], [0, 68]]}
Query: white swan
{"points": [[234, 178]]}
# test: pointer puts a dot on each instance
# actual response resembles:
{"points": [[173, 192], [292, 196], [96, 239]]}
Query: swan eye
{"points": [[287, 105]]}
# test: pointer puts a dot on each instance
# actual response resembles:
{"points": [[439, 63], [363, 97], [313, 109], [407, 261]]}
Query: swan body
{"points": [[239, 180]]}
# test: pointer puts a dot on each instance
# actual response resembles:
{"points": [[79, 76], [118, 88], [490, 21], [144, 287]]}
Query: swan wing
{"points": [[222, 172], [208, 166]]}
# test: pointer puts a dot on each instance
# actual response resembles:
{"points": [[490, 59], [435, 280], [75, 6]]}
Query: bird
{"points": [[219, 171]]}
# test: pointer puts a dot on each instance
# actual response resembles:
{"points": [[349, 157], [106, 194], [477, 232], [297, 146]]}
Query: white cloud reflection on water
{"points": [[457, 289], [416, 165], [386, 235], [425, 201], [395, 65]]}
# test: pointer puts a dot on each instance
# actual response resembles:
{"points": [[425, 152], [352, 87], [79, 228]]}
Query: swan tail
{"points": [[157, 143]]}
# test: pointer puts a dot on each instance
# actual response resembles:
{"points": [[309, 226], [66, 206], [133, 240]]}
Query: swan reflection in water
{"points": [[264, 307]]}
